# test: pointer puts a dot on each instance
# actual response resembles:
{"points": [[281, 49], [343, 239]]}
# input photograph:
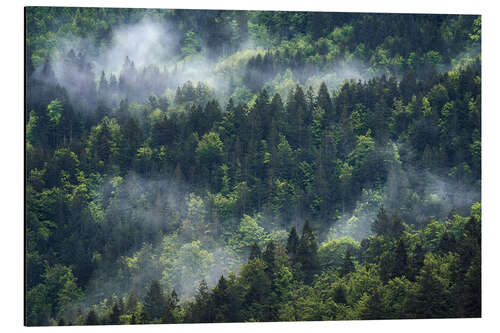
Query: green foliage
{"points": [[55, 110], [210, 149], [31, 127], [191, 45], [249, 232], [145, 190], [38, 305], [332, 253], [307, 253], [154, 301], [103, 141], [193, 263]]}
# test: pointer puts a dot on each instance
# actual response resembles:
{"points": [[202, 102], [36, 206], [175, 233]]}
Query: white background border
{"points": [[12, 141]]}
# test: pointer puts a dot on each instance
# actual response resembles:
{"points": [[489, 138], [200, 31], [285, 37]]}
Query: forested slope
{"points": [[212, 166]]}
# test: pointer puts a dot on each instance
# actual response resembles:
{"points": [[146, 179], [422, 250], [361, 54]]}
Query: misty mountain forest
{"points": [[199, 166]]}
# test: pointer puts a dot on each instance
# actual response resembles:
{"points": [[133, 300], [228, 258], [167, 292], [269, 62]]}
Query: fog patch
{"points": [[417, 195]]}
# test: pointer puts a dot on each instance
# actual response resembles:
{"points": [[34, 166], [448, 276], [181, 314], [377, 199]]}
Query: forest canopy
{"points": [[226, 166]]}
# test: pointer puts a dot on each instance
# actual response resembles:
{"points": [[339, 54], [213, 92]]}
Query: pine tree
{"points": [[171, 305], [347, 265], [103, 86], [292, 245], [92, 318], [325, 103], [269, 257], [447, 242], [472, 289], [307, 253], [417, 261], [221, 301], [397, 225], [114, 317], [154, 301], [254, 252], [202, 310], [132, 302], [382, 224], [132, 138], [401, 260], [432, 298]]}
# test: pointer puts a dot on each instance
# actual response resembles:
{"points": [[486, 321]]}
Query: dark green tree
{"points": [[382, 223], [154, 301], [114, 316], [269, 257], [92, 318], [347, 264], [223, 301], [292, 244], [254, 252], [307, 253], [171, 308], [325, 102], [401, 260]]}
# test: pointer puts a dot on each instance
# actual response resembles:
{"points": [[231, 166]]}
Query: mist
{"points": [[161, 184], [146, 57], [175, 240], [418, 195], [147, 42]]}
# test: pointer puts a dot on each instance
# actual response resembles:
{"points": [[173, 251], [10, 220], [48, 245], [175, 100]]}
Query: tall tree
{"points": [[347, 264], [307, 252], [254, 252], [154, 301], [292, 244]]}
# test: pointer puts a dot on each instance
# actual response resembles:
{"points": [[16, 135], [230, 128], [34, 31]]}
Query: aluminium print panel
{"points": [[200, 166]]}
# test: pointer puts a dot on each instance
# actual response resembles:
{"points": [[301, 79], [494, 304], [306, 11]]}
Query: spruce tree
{"points": [[154, 301], [221, 302], [472, 289], [269, 257], [292, 245], [397, 226], [401, 260], [325, 102], [132, 301], [417, 261], [171, 305], [202, 308], [92, 318], [307, 253], [382, 224], [347, 264], [254, 252], [114, 316], [432, 297], [447, 242]]}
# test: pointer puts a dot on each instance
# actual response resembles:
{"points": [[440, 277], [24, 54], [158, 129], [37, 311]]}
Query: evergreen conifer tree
{"points": [[307, 253], [154, 301]]}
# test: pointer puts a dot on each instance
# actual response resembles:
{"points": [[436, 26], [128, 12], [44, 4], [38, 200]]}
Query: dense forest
{"points": [[187, 166]]}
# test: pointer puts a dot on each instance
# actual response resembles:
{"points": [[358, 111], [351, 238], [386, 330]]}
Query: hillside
{"points": [[219, 166]]}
